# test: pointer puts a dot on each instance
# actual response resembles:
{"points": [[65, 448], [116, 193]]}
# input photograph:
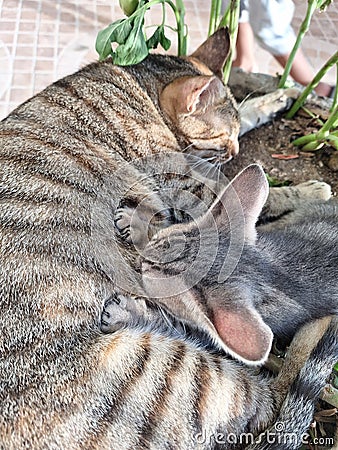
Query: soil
{"points": [[266, 144], [263, 144]]}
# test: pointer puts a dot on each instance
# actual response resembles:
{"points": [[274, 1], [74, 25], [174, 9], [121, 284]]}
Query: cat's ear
{"points": [[183, 95], [243, 333], [240, 203], [214, 51]]}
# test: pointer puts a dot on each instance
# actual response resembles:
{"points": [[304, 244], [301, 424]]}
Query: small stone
{"points": [[333, 162]]}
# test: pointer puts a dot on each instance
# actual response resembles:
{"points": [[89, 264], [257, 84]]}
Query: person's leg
{"points": [[245, 48], [271, 25], [302, 72]]}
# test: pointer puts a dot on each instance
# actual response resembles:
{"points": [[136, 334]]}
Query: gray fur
{"points": [[288, 275]]}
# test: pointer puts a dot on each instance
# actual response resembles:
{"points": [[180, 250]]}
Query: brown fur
{"points": [[68, 157]]}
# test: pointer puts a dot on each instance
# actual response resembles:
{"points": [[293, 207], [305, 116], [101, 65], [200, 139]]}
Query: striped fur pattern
{"points": [[283, 405], [68, 157]]}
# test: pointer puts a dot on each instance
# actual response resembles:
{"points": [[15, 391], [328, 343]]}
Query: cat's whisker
{"points": [[187, 147], [166, 319], [247, 97], [203, 161]]}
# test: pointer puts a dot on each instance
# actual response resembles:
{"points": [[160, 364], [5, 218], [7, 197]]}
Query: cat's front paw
{"points": [[260, 110], [115, 314], [314, 190], [122, 311], [136, 225]]}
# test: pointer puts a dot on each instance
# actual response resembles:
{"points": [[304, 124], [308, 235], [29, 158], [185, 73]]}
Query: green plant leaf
{"points": [[159, 38], [116, 32], [164, 41], [154, 40], [134, 49], [274, 182]]}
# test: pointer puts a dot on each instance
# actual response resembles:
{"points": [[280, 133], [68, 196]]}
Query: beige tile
{"points": [[26, 40], [23, 64], [56, 38], [22, 79], [45, 52], [42, 80], [47, 27], [27, 26], [7, 38], [10, 4], [29, 15], [7, 25], [8, 14], [25, 52], [43, 65], [19, 95]]}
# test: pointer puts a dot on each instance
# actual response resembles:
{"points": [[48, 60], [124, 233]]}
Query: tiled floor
{"points": [[43, 40]]}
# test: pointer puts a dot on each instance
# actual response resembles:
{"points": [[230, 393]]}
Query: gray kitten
{"points": [[239, 285]]}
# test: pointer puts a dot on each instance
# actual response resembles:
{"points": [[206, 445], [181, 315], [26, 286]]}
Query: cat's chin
{"points": [[213, 157]]}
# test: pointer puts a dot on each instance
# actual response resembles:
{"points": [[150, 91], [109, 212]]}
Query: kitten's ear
{"points": [[240, 331], [215, 51], [184, 94], [243, 333], [241, 202]]}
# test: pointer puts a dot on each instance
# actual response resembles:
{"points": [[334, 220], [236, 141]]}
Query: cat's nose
{"points": [[233, 147]]}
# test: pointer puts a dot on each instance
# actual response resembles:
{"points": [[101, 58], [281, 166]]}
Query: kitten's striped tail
{"points": [[289, 431]]}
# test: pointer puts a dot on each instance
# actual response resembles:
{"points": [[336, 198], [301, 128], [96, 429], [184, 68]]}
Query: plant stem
{"points": [[312, 4], [233, 28], [301, 99], [335, 98], [305, 139], [179, 12], [215, 11], [330, 123], [163, 14], [225, 19], [314, 141]]}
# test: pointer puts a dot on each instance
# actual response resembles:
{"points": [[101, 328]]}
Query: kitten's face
{"points": [[187, 268]]}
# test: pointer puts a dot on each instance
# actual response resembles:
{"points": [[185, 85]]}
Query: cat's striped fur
{"points": [[283, 406], [63, 172], [63, 383], [67, 159]]}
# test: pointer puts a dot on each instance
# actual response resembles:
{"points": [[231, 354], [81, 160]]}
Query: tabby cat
{"points": [[68, 160]]}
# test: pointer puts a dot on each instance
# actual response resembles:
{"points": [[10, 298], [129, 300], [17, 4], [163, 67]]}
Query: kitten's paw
{"points": [[314, 190], [122, 223], [136, 225], [132, 226], [122, 311], [115, 314]]}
